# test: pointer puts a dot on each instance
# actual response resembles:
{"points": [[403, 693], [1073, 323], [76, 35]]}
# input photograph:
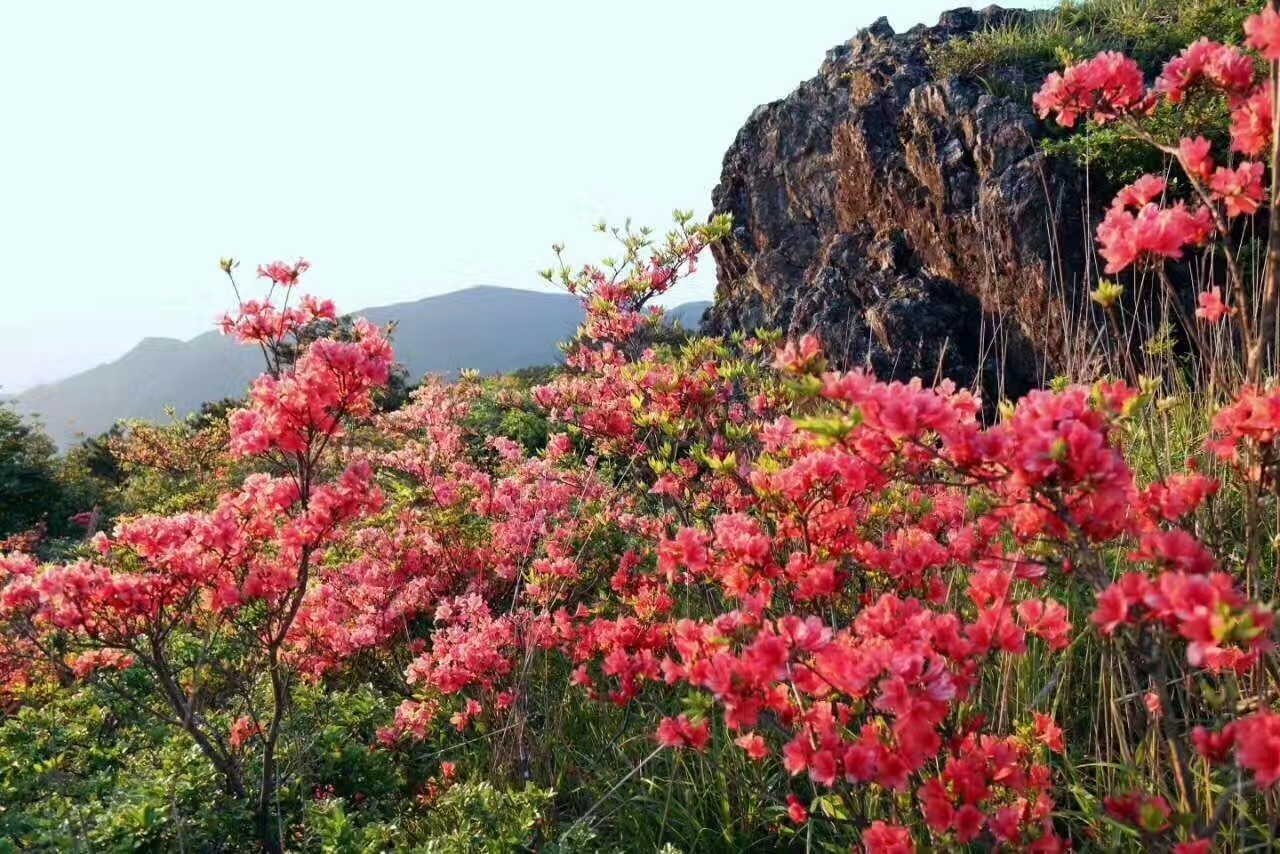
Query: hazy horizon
{"points": [[212, 330], [406, 150]]}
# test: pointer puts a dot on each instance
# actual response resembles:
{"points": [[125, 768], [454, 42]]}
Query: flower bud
{"points": [[1107, 293]]}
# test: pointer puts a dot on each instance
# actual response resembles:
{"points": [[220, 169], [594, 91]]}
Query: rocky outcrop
{"points": [[912, 222]]}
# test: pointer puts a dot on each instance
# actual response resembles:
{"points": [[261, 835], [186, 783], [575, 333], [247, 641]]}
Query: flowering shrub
{"points": [[234, 575], [1151, 221], [742, 551], [826, 569]]}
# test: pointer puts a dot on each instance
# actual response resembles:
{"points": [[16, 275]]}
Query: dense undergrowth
{"points": [[693, 594]]}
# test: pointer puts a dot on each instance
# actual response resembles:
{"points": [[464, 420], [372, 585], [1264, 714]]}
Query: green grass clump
{"points": [[1148, 30]]}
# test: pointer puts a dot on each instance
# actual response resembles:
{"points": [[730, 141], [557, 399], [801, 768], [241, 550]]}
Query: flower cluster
{"points": [[1104, 88], [1137, 227], [1144, 223], [332, 381]]}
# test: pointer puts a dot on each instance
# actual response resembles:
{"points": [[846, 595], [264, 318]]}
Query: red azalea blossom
{"points": [[1257, 742], [1224, 68], [796, 810], [1196, 157], [680, 732], [1251, 122], [753, 744], [1214, 746], [1104, 88], [882, 838], [1151, 232], [1148, 188], [283, 274], [1252, 421], [1240, 188], [1210, 306], [1263, 31], [242, 730], [1048, 733]]}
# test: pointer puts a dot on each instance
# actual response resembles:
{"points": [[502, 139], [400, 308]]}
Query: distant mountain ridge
{"points": [[485, 328]]}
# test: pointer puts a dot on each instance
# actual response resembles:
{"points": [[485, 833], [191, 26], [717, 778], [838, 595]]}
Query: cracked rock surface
{"points": [[911, 222]]}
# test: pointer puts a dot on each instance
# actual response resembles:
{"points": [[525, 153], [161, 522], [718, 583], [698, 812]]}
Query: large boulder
{"points": [[911, 222]]}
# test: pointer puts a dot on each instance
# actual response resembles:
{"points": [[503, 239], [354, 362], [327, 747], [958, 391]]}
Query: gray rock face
{"points": [[911, 222]]}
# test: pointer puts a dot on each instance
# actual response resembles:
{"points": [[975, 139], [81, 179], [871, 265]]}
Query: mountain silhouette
{"points": [[484, 328]]}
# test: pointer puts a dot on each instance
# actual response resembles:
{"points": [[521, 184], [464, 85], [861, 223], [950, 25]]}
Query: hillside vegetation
{"points": [[693, 593]]}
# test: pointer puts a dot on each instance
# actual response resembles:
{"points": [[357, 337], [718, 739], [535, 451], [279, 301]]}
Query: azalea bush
{"points": [[685, 592], [884, 616], [1216, 193]]}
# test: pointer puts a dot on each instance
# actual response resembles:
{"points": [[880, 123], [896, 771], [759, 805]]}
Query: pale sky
{"points": [[405, 148]]}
